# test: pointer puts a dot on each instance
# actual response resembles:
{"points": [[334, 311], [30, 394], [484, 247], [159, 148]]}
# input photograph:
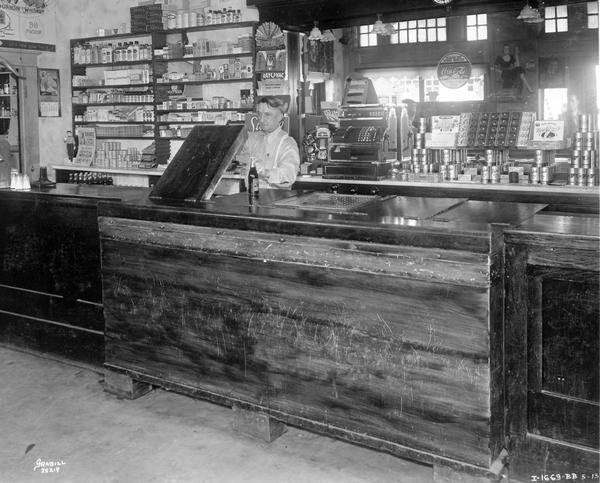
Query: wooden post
{"points": [[256, 424], [122, 385]]}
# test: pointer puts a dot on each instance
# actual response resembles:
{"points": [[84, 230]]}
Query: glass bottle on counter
{"points": [[253, 183]]}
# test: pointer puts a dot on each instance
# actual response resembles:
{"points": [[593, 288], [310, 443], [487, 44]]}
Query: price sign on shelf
{"points": [[87, 146]]}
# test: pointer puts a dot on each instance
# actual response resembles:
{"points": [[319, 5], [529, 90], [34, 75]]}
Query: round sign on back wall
{"points": [[454, 70]]}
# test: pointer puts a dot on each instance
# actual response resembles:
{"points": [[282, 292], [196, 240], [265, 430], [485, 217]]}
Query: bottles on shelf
{"points": [[112, 96], [233, 69], [109, 53], [185, 19], [85, 177], [205, 47]]}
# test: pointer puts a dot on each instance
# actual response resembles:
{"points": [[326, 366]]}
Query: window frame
{"points": [[420, 31], [591, 15], [477, 27], [554, 16]]}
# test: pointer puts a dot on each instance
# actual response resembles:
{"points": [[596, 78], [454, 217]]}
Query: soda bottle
{"points": [[252, 182]]}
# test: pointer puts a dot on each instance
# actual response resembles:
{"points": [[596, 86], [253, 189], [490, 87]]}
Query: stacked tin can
{"points": [[584, 160], [540, 170], [420, 162], [490, 172]]}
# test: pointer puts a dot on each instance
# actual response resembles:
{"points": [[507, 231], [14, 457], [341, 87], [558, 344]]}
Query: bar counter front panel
{"points": [[371, 329]]}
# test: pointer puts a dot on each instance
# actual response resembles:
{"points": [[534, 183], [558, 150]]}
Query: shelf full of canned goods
{"points": [[496, 148]]}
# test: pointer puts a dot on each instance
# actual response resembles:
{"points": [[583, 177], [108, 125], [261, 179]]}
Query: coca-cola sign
{"points": [[454, 70]]}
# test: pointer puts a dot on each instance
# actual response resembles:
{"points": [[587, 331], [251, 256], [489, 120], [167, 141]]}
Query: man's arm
{"points": [[288, 163]]}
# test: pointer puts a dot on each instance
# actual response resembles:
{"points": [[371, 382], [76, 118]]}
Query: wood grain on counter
{"points": [[362, 339]]}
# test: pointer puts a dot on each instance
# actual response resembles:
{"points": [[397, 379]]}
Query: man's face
{"points": [[269, 117]]}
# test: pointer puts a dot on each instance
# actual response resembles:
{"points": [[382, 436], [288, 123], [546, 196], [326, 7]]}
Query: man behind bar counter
{"points": [[276, 153]]}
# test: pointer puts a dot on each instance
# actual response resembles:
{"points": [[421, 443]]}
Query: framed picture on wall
{"points": [[48, 92], [552, 73]]}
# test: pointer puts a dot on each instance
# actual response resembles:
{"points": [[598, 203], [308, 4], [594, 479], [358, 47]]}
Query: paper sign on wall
{"points": [[28, 24]]}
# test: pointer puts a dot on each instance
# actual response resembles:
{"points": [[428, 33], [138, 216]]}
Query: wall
{"points": [[577, 49]]}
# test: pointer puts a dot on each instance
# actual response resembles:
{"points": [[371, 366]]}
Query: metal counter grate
{"points": [[326, 202]]}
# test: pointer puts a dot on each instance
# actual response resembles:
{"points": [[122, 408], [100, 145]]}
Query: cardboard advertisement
{"points": [[28, 24]]}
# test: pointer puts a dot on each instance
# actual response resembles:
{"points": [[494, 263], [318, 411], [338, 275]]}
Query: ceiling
{"points": [[299, 15]]}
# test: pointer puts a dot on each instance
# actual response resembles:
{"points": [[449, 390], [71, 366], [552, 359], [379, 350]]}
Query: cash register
{"points": [[359, 146]]}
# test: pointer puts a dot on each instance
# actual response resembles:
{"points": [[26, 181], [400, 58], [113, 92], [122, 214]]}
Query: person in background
{"points": [[511, 72], [571, 116], [276, 153], [409, 141]]}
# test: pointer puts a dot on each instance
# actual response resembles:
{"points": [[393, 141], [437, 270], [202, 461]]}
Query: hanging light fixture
{"points": [[380, 28], [328, 36], [529, 14], [315, 33]]}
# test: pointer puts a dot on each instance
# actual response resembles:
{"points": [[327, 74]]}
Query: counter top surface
{"points": [[517, 187], [94, 192], [553, 224], [450, 222]]}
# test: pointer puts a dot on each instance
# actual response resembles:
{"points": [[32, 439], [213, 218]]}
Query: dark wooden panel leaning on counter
{"points": [[553, 355], [50, 281], [347, 332]]}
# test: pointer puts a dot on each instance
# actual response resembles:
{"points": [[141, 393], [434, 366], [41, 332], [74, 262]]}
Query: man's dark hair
{"points": [[274, 102]]}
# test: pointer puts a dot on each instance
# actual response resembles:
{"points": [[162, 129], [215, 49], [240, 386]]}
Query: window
{"points": [[477, 27], [554, 103], [556, 19], [592, 15], [423, 30], [366, 38], [422, 85]]}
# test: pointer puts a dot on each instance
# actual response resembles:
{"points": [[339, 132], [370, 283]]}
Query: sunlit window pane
{"points": [[554, 102], [441, 35], [482, 18], [471, 19], [550, 12], [403, 25], [593, 22], [441, 22], [562, 25], [592, 7], [561, 11], [364, 29], [372, 39], [412, 36], [403, 36], [412, 24], [482, 32], [550, 26], [421, 23], [471, 33], [431, 22]]}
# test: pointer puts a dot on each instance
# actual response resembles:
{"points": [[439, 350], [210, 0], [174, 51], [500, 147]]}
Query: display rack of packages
{"points": [[479, 152], [144, 92]]}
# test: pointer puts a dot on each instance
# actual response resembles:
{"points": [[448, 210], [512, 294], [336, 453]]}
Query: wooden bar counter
{"points": [[445, 330], [380, 323]]}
